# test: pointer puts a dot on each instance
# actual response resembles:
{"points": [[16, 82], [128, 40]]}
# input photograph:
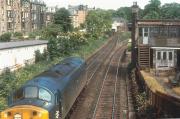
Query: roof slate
{"points": [[15, 44]]}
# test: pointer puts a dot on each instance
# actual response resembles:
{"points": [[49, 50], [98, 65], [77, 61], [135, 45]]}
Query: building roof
{"points": [[73, 9], [118, 19], [8, 45], [162, 22]]}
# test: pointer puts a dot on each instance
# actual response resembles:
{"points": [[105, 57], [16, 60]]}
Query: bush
{"points": [[8, 83], [51, 31], [53, 48], [6, 37], [125, 35], [45, 55], [129, 46], [38, 56], [66, 44], [18, 34], [32, 35]]}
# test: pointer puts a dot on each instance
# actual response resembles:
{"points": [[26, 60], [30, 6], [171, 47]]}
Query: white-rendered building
{"points": [[115, 25], [118, 24], [14, 55]]}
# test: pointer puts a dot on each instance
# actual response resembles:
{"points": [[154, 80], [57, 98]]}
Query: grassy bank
{"points": [[87, 50], [12, 81]]}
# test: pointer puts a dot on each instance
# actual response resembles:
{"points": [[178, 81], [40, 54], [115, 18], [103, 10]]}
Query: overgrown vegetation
{"points": [[125, 35], [98, 22], [10, 81], [6, 37], [18, 35], [67, 44], [123, 12], [50, 31], [61, 44], [90, 47], [41, 56], [153, 10], [140, 100], [62, 18]]}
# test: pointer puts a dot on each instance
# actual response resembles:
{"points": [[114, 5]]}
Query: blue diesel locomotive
{"points": [[51, 94]]}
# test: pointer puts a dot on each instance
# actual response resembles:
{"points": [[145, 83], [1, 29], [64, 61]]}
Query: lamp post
{"points": [[135, 10]]}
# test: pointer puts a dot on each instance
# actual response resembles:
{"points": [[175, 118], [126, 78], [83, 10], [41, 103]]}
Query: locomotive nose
{"points": [[25, 112]]}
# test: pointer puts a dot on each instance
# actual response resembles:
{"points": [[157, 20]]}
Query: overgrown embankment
{"points": [[141, 103], [10, 81]]}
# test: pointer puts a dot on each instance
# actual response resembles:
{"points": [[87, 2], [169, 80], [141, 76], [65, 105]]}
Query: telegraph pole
{"points": [[135, 10]]}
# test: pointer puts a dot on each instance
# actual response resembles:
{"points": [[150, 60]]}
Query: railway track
{"points": [[95, 68], [108, 103], [106, 60], [90, 59], [93, 65]]}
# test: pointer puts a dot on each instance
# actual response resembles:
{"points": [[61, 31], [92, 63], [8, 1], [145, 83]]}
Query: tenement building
{"points": [[49, 17], [22, 15], [78, 14]]}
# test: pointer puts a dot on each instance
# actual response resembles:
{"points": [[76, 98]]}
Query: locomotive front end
{"points": [[25, 112]]}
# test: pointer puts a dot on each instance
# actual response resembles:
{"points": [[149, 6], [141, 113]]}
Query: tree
{"points": [[111, 12], [152, 10], [62, 18], [170, 11], [124, 12], [152, 15], [8, 82], [51, 31], [98, 22], [38, 56], [65, 44], [53, 48]]}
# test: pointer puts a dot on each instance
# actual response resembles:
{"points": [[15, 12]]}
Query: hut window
{"points": [[158, 55], [170, 55], [164, 56]]}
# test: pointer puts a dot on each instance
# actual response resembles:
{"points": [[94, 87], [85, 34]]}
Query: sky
{"points": [[104, 4]]}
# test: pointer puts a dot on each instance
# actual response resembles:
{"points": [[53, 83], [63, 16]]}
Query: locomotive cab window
{"points": [[18, 94], [44, 95], [31, 92]]}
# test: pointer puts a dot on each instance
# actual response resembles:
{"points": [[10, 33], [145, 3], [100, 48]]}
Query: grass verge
{"points": [[152, 83]]}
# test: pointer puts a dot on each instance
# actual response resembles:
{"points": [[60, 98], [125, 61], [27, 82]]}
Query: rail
{"points": [[105, 80]]}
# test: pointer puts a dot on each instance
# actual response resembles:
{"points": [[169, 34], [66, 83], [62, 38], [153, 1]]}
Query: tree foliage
{"points": [[6, 37], [152, 15], [51, 31], [65, 44], [8, 83], [124, 12], [170, 11], [62, 18], [152, 10], [98, 22], [32, 35], [38, 56]]}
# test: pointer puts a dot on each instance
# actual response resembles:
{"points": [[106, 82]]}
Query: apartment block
{"points": [[22, 15], [49, 17], [78, 14]]}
